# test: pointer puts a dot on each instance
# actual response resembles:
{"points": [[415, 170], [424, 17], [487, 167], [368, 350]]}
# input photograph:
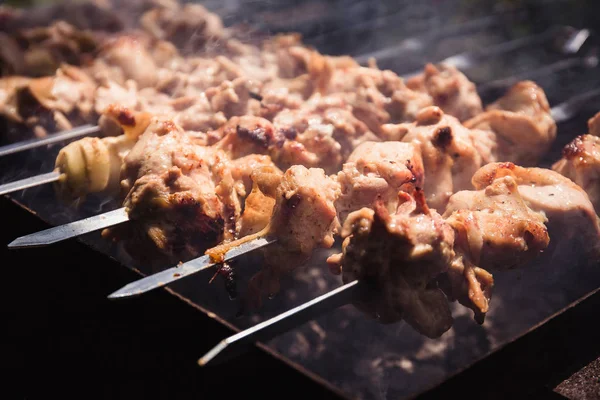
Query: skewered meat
{"points": [[581, 164], [580, 161], [572, 221], [377, 97], [399, 255], [126, 57], [495, 230], [451, 153], [408, 256], [171, 193], [376, 171], [245, 135], [258, 205], [303, 219], [450, 90], [321, 133], [522, 123], [56, 102]]}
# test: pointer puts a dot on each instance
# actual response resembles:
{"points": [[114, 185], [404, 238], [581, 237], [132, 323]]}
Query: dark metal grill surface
{"points": [[362, 357]]}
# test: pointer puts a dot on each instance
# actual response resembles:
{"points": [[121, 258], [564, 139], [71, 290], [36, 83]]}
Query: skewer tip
{"points": [[19, 243], [213, 353]]}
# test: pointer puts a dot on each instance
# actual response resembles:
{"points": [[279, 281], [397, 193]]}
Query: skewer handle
{"points": [[265, 331]]}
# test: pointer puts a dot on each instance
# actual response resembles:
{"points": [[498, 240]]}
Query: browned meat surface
{"points": [[321, 133], [304, 218], [377, 97], [572, 222], [178, 195], [450, 90], [96, 15], [522, 123], [258, 207], [56, 102], [399, 255], [123, 58], [451, 153], [581, 164], [495, 230], [376, 171], [242, 136], [244, 167]]}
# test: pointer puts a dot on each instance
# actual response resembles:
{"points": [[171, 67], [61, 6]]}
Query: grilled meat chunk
{"points": [[399, 255], [304, 218], [495, 230], [572, 222], [375, 172], [451, 153], [580, 161], [450, 90], [522, 123], [172, 194]]}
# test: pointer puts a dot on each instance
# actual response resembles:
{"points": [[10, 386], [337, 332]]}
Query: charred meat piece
{"points": [[399, 255], [9, 106], [451, 153], [522, 123], [450, 90], [245, 135]]}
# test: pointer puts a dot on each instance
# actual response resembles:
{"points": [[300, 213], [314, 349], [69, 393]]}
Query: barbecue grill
{"points": [[534, 310]]}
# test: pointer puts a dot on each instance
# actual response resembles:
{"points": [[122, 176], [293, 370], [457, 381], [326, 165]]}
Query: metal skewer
{"points": [[238, 343], [468, 59], [70, 230], [191, 267], [51, 139], [29, 182]]}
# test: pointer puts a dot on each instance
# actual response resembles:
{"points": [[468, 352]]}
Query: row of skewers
{"points": [[427, 191]]}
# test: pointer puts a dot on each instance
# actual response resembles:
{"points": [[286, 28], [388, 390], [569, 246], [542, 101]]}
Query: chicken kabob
{"points": [[580, 161], [409, 263], [435, 140], [200, 93], [318, 130]]}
